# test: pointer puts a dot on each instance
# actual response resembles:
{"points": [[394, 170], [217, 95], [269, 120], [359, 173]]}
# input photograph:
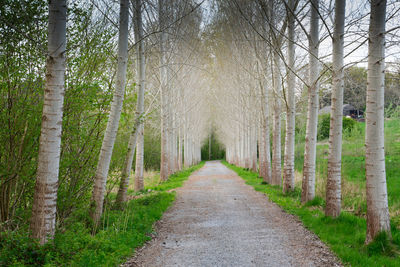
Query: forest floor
{"points": [[218, 220]]}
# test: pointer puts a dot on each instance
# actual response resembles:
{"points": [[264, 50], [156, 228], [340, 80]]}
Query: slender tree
{"points": [[377, 202], [140, 104], [164, 168], [308, 185], [288, 168], [115, 113], [276, 171], [333, 186], [43, 219]]}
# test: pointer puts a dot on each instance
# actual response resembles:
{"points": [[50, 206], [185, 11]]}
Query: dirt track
{"points": [[218, 220]]}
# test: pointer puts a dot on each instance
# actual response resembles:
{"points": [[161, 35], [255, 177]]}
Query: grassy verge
{"points": [[121, 232], [344, 235]]}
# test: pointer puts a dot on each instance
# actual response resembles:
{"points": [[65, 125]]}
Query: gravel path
{"points": [[218, 220]]}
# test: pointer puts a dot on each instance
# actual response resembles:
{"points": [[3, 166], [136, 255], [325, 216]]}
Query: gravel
{"points": [[218, 220]]}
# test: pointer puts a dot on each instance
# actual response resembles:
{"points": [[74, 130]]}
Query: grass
{"points": [[122, 231], [353, 168], [345, 235]]}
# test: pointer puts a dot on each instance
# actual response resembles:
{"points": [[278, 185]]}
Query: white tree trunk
{"points": [[266, 138], [45, 197], [164, 100], [141, 67], [288, 168], [276, 134], [308, 185], [377, 201], [333, 186], [180, 140], [107, 146]]}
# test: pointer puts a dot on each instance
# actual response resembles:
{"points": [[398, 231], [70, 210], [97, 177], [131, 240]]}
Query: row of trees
{"points": [[89, 132], [76, 121], [265, 73]]}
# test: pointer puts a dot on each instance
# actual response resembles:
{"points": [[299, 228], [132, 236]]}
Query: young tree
{"points": [[288, 167], [164, 168], [377, 202], [115, 113], [140, 104], [276, 169], [333, 186], [43, 219], [308, 185]]}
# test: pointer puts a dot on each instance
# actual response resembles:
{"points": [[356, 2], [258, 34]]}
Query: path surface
{"points": [[218, 220]]}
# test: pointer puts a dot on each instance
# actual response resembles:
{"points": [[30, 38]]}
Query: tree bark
{"points": [[377, 201], [266, 138], [141, 67], [333, 185], [308, 185], [110, 135], [44, 206], [288, 168], [276, 135], [164, 168]]}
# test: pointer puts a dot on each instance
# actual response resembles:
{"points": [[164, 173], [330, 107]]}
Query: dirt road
{"points": [[218, 220]]}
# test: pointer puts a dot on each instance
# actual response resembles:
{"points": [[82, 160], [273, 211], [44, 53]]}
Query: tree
{"points": [[164, 168], [43, 219], [333, 185], [103, 164], [288, 167], [141, 67], [377, 202], [308, 183]]}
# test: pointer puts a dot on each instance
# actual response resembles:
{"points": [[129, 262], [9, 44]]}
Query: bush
{"points": [[324, 125]]}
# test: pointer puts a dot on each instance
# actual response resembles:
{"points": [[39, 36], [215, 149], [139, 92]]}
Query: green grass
{"points": [[120, 233], [353, 168], [175, 180], [345, 235]]}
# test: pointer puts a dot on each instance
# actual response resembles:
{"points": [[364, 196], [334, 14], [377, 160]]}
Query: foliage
{"points": [[21, 94], [345, 235], [324, 125], [355, 87], [74, 245], [217, 149], [392, 111]]}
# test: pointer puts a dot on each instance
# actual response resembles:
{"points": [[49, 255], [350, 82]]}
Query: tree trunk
{"points": [[308, 185], [126, 172], [107, 146], [141, 67], [288, 168], [45, 196], [266, 138], [377, 202], [333, 186], [164, 101], [180, 139], [276, 135]]}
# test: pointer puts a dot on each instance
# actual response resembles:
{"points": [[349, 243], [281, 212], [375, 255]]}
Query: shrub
{"points": [[324, 125]]}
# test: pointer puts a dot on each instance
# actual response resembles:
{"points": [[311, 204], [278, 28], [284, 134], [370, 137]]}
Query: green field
{"points": [[353, 168]]}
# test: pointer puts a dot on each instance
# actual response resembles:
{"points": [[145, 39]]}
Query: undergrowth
{"points": [[74, 245], [345, 235]]}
